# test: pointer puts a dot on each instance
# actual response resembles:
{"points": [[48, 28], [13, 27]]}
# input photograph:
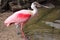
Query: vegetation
{"points": [[36, 25]]}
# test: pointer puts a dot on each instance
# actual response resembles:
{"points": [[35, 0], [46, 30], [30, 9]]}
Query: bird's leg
{"points": [[22, 31], [18, 29]]}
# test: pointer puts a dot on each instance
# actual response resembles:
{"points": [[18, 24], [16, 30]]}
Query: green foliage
{"points": [[36, 24]]}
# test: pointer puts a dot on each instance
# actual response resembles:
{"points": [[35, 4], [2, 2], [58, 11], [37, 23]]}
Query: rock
{"points": [[52, 24]]}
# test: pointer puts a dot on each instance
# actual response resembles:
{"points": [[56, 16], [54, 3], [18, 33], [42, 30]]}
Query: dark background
{"points": [[5, 4]]}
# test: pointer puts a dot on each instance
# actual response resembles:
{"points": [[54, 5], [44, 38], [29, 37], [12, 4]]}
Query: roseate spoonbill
{"points": [[19, 18]]}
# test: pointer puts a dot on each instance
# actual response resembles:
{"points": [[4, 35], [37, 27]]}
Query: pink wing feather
{"points": [[17, 18]]}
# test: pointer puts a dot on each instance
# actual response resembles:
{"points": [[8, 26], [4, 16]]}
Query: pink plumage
{"points": [[18, 17]]}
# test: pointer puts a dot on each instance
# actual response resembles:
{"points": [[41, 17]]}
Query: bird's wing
{"points": [[20, 16], [23, 17]]}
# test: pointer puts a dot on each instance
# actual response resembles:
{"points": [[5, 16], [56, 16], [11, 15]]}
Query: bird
{"points": [[20, 17]]}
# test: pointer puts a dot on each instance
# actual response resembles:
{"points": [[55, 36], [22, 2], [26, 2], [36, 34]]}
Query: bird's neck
{"points": [[35, 10]]}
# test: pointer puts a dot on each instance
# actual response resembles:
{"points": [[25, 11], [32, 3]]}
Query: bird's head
{"points": [[36, 4]]}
